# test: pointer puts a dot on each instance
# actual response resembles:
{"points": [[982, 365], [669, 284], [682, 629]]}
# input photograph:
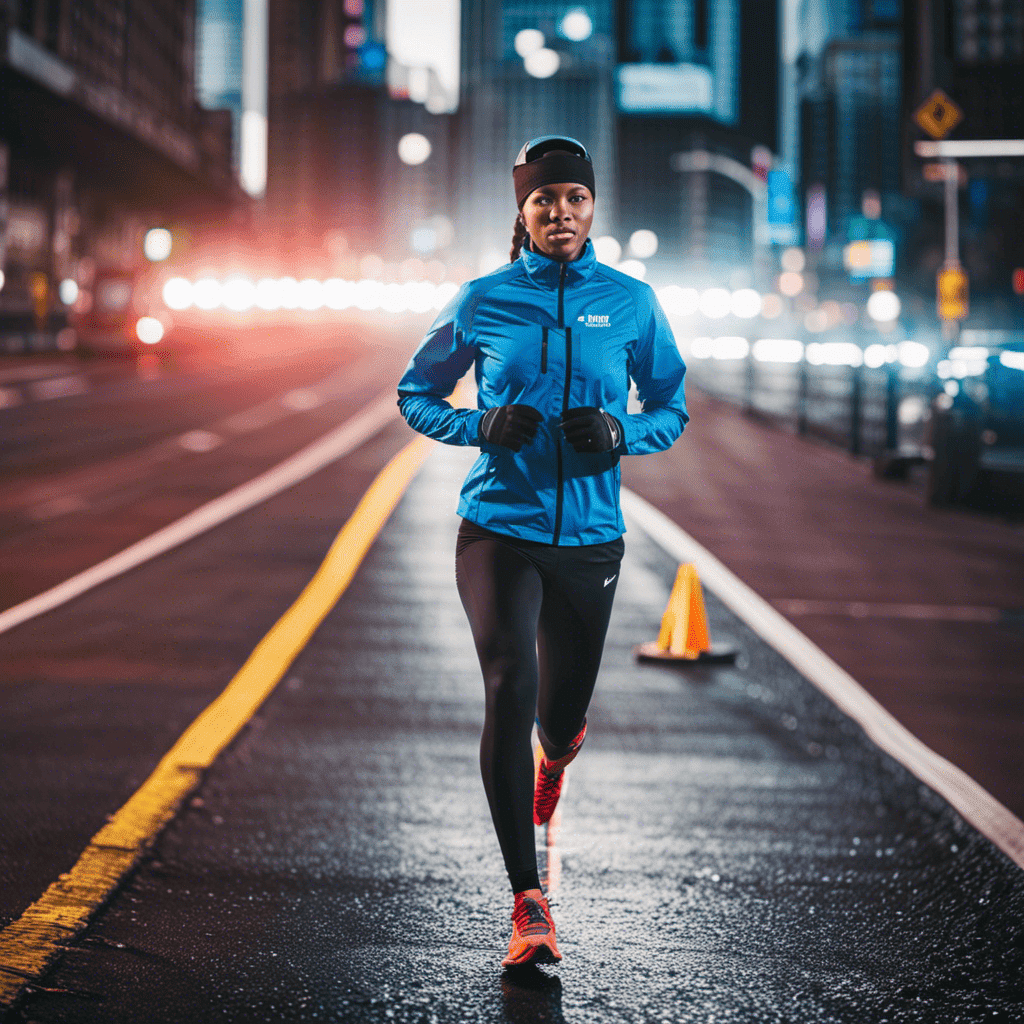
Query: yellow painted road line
{"points": [[29, 945]]}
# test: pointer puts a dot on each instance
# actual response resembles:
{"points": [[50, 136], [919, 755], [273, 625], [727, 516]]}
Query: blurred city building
{"points": [[101, 138], [337, 186], [693, 76], [848, 95], [218, 65], [522, 77]]}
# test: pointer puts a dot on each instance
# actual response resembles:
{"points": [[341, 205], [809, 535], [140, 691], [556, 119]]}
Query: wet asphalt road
{"points": [[731, 848]]}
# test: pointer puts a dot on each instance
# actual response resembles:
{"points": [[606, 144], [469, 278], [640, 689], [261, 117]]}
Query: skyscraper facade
{"points": [[846, 106], [503, 105], [693, 76]]}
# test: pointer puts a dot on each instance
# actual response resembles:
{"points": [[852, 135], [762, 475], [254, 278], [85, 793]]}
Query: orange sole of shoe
{"points": [[542, 954]]}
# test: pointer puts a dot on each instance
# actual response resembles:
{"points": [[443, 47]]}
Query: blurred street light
{"points": [[206, 293], [643, 244], [413, 148], [912, 353], [528, 41], [875, 356], [238, 294], [791, 283], [730, 347], [268, 294], [679, 301], [178, 293], [311, 294], [778, 350], [149, 330], [542, 63], [607, 250], [68, 291], [746, 303], [635, 268], [157, 244], [883, 306], [715, 303], [288, 293], [576, 25], [793, 260]]}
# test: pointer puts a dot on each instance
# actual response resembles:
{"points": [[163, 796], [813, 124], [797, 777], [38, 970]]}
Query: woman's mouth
{"points": [[559, 236]]}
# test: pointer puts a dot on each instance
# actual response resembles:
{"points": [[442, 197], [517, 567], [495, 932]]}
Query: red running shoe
{"points": [[550, 775], [533, 932]]}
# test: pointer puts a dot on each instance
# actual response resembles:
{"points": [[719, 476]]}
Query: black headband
{"points": [[551, 169]]}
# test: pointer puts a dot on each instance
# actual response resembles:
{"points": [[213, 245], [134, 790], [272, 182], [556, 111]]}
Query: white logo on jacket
{"points": [[594, 320]]}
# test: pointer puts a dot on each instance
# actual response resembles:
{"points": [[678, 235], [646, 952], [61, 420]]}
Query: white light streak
{"points": [[206, 293], [715, 303], [730, 347], [746, 303], [177, 293], [778, 350], [912, 354]]}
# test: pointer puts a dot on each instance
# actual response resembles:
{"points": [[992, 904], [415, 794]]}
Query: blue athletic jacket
{"points": [[555, 336]]}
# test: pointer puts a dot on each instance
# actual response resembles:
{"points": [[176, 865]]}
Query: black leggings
{"points": [[539, 616]]}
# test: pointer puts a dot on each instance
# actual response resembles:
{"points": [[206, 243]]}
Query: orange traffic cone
{"points": [[683, 636]]}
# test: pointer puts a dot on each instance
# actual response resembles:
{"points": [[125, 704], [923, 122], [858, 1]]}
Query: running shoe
{"points": [[533, 932], [550, 776]]}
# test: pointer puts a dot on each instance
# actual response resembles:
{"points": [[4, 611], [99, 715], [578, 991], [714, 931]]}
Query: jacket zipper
{"points": [[565, 400], [544, 350]]}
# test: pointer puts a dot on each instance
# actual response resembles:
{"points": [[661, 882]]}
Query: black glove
{"points": [[510, 425], [589, 429]]}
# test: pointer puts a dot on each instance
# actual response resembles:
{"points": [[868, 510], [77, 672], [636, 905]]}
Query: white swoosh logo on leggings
{"points": [[610, 578]]}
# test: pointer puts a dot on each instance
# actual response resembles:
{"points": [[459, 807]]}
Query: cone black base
{"points": [[718, 655]]}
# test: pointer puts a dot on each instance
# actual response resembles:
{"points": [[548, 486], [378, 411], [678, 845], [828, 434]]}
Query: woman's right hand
{"points": [[511, 426]]}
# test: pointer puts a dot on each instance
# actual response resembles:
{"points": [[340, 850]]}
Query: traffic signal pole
{"points": [[950, 327], [952, 282]]}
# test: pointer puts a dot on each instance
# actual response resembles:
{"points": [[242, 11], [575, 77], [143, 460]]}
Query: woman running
{"points": [[554, 339]]}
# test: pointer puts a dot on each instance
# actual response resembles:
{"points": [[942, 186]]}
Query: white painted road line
{"points": [[200, 441], [975, 804], [333, 445], [58, 387], [17, 374]]}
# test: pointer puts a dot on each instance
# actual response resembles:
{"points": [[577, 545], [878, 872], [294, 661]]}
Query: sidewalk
{"points": [[731, 848], [922, 606]]}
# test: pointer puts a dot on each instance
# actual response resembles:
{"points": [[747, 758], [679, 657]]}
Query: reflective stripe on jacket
{"points": [[554, 336]]}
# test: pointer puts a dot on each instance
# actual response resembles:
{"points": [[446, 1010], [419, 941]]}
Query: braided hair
{"points": [[519, 236]]}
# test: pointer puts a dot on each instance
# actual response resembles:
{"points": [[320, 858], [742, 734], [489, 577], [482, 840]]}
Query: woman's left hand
{"points": [[589, 429]]}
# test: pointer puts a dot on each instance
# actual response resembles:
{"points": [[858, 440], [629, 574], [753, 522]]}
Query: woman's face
{"points": [[558, 218]]}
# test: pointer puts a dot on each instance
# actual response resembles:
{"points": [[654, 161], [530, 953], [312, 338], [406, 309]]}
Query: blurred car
{"points": [[119, 316], [977, 432]]}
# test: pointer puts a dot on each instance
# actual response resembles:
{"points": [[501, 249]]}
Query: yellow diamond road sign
{"points": [[938, 115]]}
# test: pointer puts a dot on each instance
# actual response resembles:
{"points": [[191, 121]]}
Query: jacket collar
{"points": [[543, 270]]}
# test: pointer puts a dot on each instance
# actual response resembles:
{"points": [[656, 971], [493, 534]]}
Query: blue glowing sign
{"points": [[781, 201], [665, 88]]}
